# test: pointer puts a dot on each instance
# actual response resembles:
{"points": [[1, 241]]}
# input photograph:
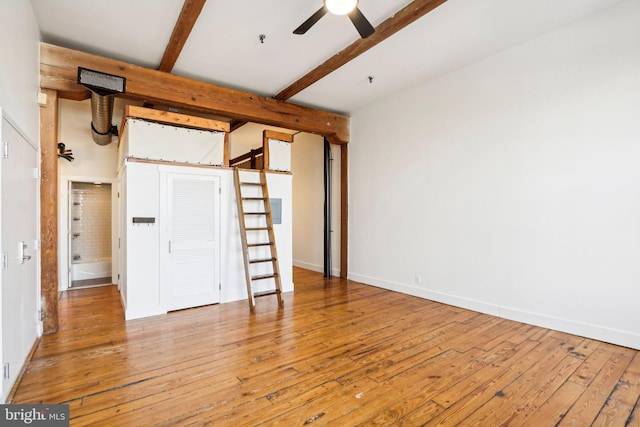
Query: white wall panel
{"points": [[144, 243], [279, 155], [155, 141]]}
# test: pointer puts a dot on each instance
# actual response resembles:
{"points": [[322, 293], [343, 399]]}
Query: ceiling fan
{"points": [[339, 7]]}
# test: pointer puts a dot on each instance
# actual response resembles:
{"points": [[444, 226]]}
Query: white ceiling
{"points": [[224, 46]]}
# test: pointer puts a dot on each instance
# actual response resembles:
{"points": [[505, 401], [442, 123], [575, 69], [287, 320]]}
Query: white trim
{"points": [[308, 266], [602, 333], [64, 261], [140, 312], [23, 134], [335, 272]]}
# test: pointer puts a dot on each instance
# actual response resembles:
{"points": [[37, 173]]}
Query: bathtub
{"points": [[91, 270]]}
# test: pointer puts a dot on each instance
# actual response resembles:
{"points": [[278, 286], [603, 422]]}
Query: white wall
{"points": [[92, 163], [19, 66], [511, 186], [19, 86], [91, 159]]}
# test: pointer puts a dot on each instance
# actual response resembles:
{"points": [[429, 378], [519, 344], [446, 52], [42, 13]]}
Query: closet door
{"points": [[193, 224], [19, 294]]}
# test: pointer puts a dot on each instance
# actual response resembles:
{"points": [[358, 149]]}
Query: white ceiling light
{"points": [[340, 7]]}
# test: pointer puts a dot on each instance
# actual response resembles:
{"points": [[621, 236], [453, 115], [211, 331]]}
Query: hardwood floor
{"points": [[339, 353]]}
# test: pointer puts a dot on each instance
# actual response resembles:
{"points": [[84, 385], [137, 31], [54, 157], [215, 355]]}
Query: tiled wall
{"points": [[90, 222]]}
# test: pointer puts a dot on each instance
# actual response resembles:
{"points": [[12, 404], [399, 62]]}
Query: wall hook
{"points": [[63, 153]]}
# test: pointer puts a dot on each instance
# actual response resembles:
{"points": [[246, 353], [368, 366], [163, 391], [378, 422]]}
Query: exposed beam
{"points": [[173, 119], [75, 96], [410, 13], [59, 68], [187, 19], [280, 136], [49, 211], [237, 124]]}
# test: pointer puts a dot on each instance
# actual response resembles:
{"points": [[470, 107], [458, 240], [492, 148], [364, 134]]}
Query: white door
{"points": [[20, 293], [193, 225]]}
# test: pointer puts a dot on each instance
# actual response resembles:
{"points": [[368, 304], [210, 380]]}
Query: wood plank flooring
{"points": [[339, 353]]}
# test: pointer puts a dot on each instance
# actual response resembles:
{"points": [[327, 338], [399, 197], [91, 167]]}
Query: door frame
{"points": [[64, 227]]}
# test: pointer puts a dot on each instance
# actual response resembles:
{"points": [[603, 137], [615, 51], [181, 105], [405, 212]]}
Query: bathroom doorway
{"points": [[90, 236]]}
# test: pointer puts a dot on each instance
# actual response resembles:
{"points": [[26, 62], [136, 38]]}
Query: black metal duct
{"points": [[327, 208], [103, 88]]}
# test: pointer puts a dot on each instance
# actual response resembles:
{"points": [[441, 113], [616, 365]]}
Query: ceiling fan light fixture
{"points": [[340, 7]]}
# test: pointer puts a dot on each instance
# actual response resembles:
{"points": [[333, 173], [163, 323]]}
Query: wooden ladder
{"points": [[259, 232]]}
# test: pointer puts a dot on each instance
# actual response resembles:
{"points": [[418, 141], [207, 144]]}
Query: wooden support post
{"points": [[227, 149], [49, 211], [344, 210], [265, 153]]}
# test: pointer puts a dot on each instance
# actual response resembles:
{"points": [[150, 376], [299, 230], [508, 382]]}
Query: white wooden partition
{"points": [[155, 278]]}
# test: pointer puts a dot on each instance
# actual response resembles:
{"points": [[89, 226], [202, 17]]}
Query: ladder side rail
{"points": [[272, 237]]}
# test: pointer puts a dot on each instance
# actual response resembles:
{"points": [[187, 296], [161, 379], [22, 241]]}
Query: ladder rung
{"points": [[254, 198], [265, 293], [251, 183], [264, 276], [257, 261], [256, 213], [258, 228], [259, 244]]}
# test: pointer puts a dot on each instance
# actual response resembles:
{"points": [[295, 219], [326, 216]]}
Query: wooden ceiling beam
{"points": [[59, 69], [187, 19], [237, 124], [410, 13]]}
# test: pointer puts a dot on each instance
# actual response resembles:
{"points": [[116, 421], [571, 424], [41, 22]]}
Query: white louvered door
{"points": [[193, 230]]}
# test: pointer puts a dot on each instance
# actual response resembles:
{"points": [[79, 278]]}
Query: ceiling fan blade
{"points": [[311, 21], [361, 23]]}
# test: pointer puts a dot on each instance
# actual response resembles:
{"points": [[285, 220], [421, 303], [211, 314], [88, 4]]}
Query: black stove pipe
{"points": [[327, 208]]}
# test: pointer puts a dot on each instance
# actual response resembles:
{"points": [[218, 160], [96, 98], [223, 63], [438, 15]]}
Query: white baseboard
{"points": [[597, 332], [308, 266], [146, 311], [315, 267]]}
